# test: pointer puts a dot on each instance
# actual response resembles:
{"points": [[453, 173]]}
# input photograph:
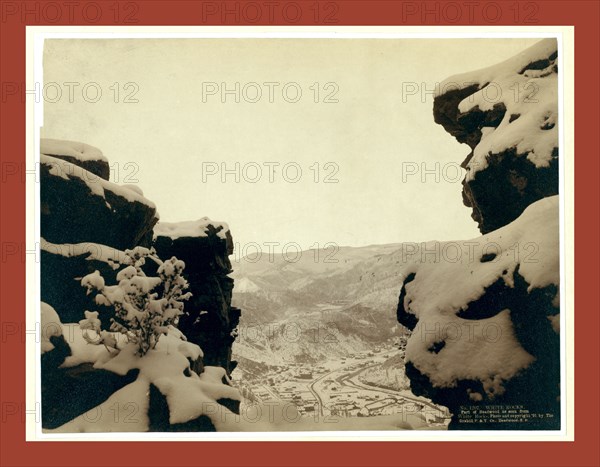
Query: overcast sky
{"points": [[179, 132]]}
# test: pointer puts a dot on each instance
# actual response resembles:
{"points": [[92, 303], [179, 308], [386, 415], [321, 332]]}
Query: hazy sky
{"points": [[178, 133]]}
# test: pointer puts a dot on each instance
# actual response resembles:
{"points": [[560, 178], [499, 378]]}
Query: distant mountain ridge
{"points": [[322, 304]]}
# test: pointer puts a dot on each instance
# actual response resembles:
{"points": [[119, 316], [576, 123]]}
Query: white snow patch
{"points": [[75, 149], [198, 228], [81, 350], [166, 367]]}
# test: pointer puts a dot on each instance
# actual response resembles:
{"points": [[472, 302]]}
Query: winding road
{"points": [[351, 380]]}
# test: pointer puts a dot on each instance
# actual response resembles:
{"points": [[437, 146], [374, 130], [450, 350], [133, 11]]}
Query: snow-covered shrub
{"points": [[143, 306]]}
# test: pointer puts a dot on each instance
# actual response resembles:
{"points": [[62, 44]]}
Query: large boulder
{"points": [[484, 316], [119, 391], [508, 115], [209, 320], [79, 206]]}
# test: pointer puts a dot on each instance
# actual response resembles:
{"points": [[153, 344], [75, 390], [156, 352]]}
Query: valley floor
{"points": [[336, 389]]}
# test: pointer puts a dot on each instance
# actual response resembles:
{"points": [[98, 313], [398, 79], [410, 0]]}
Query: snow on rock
{"points": [[482, 314], [74, 149], [91, 251], [508, 115], [80, 154], [71, 386], [189, 396], [204, 246], [81, 350], [68, 171], [87, 223], [78, 206], [198, 228]]}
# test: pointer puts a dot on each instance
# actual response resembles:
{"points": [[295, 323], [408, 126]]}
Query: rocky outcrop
{"points": [[159, 414], [210, 320], [78, 206], [484, 313], [485, 329], [79, 154], [87, 223], [507, 114]]}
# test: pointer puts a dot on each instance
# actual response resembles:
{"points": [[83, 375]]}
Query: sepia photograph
{"points": [[300, 233]]}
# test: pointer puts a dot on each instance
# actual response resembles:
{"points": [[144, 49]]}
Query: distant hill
{"points": [[321, 304]]}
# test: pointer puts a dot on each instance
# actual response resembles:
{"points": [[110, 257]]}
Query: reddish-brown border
{"points": [[584, 451]]}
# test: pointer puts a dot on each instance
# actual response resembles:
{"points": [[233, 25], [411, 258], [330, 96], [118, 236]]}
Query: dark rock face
{"points": [[406, 319], [158, 415], [71, 212], [446, 113], [206, 268], [61, 283], [499, 192], [70, 392], [98, 168]]}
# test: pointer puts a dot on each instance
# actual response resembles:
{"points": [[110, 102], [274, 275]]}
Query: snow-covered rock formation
{"points": [[507, 114], [204, 246], [80, 154], [485, 324], [104, 390], [78, 206], [485, 312], [87, 223]]}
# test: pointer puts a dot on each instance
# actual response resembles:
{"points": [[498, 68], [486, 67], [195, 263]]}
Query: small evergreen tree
{"points": [[144, 307]]}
